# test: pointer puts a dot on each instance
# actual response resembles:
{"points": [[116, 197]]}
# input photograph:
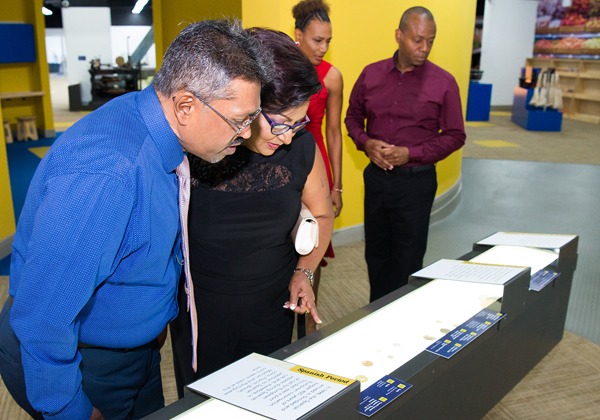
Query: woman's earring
{"points": [[297, 44]]}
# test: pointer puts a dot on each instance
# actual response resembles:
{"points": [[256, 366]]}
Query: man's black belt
{"points": [[403, 170]]}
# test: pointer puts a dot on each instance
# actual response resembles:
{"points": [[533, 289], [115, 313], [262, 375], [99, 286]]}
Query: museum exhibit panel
{"points": [[519, 281]]}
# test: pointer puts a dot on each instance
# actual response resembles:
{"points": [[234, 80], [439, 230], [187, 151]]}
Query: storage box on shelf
{"points": [[580, 83]]}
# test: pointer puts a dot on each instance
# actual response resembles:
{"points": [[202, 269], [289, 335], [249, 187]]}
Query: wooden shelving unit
{"points": [[580, 83]]}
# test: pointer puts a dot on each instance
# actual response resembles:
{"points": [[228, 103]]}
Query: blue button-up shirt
{"points": [[94, 257]]}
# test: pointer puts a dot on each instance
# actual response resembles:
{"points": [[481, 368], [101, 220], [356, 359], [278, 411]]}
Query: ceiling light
{"points": [[46, 11], [139, 6]]}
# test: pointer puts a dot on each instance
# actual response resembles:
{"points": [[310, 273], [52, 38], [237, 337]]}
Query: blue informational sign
{"points": [[457, 339], [380, 394], [541, 279]]}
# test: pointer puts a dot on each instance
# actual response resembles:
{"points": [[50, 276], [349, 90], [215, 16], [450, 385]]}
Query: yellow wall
{"points": [[363, 32], [18, 77], [23, 77], [170, 17], [7, 218]]}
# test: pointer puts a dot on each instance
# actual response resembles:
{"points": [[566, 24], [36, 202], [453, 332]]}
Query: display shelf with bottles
{"points": [[580, 83]]}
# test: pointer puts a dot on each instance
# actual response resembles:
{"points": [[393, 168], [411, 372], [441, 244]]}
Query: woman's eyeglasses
{"points": [[278, 129]]}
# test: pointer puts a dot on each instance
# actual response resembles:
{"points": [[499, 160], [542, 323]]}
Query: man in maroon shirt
{"points": [[413, 119]]}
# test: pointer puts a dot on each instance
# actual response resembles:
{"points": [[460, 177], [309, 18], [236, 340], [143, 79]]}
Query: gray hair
{"points": [[417, 10], [206, 56]]}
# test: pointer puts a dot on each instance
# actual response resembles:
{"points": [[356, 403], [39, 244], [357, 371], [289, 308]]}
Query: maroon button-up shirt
{"points": [[419, 109]]}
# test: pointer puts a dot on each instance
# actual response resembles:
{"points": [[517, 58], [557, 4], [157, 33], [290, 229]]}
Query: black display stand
{"points": [[110, 82], [474, 380]]}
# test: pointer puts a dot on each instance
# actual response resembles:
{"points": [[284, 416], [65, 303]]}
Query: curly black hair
{"points": [[307, 10]]}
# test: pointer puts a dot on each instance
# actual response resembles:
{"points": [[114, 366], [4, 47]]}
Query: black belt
{"points": [[151, 344], [403, 170]]}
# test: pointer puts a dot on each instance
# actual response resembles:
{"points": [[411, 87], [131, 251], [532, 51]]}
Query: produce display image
{"points": [[568, 32]]}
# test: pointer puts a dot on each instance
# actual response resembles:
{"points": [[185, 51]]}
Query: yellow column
{"points": [[363, 32], [7, 218], [170, 17]]}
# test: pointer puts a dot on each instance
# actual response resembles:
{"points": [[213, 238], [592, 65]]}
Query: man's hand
{"points": [[397, 156], [96, 414], [377, 150]]}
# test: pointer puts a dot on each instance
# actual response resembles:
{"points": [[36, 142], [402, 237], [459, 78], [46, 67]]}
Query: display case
{"points": [[392, 336], [109, 82], [580, 84]]}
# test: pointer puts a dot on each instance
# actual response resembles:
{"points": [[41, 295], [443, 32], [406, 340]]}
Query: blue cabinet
{"points": [[479, 101], [533, 118]]}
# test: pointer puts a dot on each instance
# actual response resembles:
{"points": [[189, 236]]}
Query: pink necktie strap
{"points": [[183, 176]]}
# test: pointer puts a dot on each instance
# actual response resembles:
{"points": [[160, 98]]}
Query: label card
{"points": [[380, 394], [541, 279], [457, 339], [271, 387]]}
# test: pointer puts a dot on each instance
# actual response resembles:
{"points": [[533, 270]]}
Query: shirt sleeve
{"points": [[76, 235], [451, 136], [356, 114]]}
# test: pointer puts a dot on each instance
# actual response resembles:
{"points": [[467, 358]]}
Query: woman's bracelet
{"points": [[340, 190], [308, 273]]}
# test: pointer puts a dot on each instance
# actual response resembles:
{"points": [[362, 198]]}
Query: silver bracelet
{"points": [[307, 273]]}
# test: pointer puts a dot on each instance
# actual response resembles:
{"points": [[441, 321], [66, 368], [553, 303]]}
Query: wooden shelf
{"points": [[580, 83], [585, 97], [22, 95]]}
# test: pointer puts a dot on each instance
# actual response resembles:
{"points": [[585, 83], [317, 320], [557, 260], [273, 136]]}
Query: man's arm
{"points": [[452, 130], [356, 114], [378, 151], [75, 235]]}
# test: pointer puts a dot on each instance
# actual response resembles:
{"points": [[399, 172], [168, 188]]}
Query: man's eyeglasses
{"points": [[278, 129], [237, 128]]}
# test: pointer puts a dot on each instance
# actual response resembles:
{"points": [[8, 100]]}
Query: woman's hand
{"points": [[302, 297], [336, 199]]}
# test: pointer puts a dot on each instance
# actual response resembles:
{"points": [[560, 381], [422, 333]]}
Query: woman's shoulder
{"points": [[332, 77]]}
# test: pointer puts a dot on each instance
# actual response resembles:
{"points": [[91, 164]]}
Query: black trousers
{"points": [[122, 384], [397, 210]]}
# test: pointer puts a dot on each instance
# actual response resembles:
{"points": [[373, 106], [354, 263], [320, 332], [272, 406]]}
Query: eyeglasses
{"points": [[237, 128], [281, 128]]}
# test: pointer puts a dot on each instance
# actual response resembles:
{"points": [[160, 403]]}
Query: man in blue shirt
{"points": [[96, 256]]}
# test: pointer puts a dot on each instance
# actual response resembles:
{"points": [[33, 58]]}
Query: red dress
{"points": [[316, 112]]}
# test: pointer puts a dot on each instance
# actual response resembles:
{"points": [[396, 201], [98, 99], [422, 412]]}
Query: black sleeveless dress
{"points": [[242, 258]]}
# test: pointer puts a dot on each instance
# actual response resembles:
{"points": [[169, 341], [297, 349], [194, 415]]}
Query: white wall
{"points": [[87, 37], [507, 40], [55, 45]]}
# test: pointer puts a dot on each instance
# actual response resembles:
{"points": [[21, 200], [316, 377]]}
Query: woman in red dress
{"points": [[313, 35]]}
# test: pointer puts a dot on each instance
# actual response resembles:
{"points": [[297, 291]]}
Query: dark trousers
{"points": [[122, 384], [230, 327], [397, 210]]}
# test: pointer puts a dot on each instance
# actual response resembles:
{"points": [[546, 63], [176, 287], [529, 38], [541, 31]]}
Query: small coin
{"points": [[429, 337], [445, 330], [361, 378], [367, 363]]}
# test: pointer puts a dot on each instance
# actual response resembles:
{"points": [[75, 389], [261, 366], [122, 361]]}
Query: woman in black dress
{"points": [[248, 279]]}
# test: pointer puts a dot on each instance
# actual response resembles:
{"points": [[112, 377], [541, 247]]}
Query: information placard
{"points": [[380, 394], [270, 387], [464, 334]]}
